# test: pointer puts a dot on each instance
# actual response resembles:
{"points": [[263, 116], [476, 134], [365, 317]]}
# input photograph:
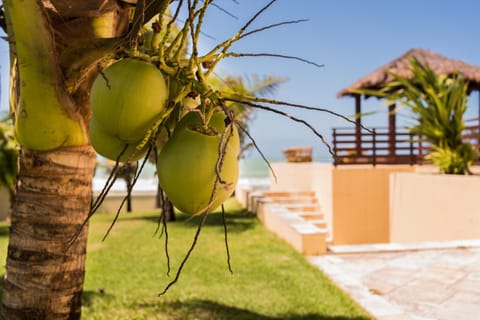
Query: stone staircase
{"points": [[294, 216]]}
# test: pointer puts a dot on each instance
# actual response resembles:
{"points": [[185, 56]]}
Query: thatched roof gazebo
{"points": [[401, 66], [380, 77]]}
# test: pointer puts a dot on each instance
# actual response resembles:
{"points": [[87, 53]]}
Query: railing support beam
{"points": [[392, 128], [358, 124]]}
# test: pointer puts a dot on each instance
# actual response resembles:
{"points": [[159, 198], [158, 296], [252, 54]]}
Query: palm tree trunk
{"points": [[44, 277], [162, 201], [169, 211], [129, 195]]}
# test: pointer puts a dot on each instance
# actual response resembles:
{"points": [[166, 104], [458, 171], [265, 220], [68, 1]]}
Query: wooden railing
{"points": [[472, 133], [379, 146]]}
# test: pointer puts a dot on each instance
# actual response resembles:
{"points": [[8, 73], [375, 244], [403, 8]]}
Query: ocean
{"points": [[253, 172]]}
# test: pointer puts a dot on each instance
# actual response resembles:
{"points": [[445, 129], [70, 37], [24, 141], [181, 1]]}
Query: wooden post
{"points": [[392, 130], [374, 147], [335, 157], [412, 155], [358, 124], [420, 149], [478, 141]]}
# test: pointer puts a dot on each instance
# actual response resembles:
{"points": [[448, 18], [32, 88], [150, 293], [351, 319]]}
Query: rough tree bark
{"points": [[55, 48], [44, 277]]}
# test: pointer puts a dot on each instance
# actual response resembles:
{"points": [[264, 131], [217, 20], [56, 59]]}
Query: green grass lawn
{"points": [[271, 280]]}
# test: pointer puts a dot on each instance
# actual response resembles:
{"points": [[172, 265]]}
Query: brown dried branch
{"points": [[305, 123], [248, 100], [129, 192], [162, 220], [257, 148], [225, 235], [206, 211], [100, 198], [283, 56], [246, 34], [187, 255]]}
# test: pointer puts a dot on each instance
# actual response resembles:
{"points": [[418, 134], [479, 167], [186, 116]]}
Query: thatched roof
{"points": [[438, 63]]}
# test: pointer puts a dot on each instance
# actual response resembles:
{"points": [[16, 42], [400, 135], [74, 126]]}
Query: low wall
{"points": [[358, 195], [141, 201], [433, 207], [397, 203]]}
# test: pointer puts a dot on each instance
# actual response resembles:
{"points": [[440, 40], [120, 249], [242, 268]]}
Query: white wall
{"points": [[433, 207]]}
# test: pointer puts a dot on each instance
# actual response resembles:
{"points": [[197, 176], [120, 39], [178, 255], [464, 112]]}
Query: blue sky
{"points": [[350, 38]]}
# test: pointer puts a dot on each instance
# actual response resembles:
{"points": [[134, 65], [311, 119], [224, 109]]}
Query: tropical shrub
{"points": [[8, 157], [438, 103]]}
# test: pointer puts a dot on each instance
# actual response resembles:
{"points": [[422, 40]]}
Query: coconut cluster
{"points": [[198, 165], [126, 100], [187, 164]]}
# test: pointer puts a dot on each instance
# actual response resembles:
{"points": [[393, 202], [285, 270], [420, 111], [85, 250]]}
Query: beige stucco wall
{"points": [[353, 199], [366, 204], [361, 203], [433, 207], [291, 176], [4, 203]]}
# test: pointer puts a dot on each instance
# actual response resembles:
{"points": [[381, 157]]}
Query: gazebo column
{"points": [[358, 124], [478, 141], [392, 130]]}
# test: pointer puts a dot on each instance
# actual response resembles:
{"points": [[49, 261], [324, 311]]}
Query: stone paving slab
{"points": [[421, 284]]}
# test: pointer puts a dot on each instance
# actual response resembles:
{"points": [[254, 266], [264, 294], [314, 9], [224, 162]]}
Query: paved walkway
{"points": [[432, 282]]}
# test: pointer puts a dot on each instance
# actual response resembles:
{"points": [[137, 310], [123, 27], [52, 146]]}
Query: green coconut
{"points": [[128, 98], [186, 164], [111, 147]]}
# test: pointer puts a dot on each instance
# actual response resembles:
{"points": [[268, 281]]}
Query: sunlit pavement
{"points": [[426, 282]]}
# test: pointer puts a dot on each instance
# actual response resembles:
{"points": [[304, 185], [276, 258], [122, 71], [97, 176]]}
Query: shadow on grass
{"points": [[1, 288], [90, 296], [4, 229], [200, 309], [237, 220], [205, 309]]}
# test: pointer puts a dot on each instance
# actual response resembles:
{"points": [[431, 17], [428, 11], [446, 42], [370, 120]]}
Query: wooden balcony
{"points": [[382, 146]]}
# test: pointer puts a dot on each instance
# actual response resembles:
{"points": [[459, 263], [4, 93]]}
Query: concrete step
{"points": [[294, 216], [320, 223], [312, 217], [303, 207], [303, 235], [273, 194], [294, 200]]}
